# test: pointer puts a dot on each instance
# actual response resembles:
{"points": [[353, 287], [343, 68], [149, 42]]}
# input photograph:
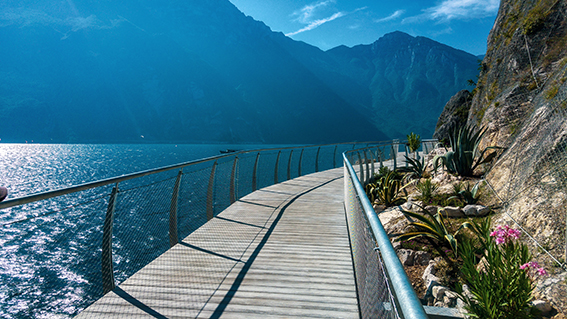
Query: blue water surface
{"points": [[50, 258]]}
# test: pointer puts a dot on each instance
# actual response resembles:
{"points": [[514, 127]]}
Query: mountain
{"points": [[202, 71], [409, 79]]}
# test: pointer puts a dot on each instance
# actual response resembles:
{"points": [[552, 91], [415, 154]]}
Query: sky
{"points": [[462, 24]]}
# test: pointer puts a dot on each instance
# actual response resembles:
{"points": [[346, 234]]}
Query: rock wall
{"points": [[521, 97]]}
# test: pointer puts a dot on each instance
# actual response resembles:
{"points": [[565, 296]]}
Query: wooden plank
{"points": [[280, 252]]}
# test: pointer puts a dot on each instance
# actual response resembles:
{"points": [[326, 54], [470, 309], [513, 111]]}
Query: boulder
{"points": [[410, 257], [542, 306], [429, 277], [378, 208], [439, 292], [432, 209], [450, 211], [406, 256], [476, 210], [421, 258]]}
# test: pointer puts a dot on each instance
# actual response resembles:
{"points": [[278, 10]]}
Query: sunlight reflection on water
{"points": [[50, 265]]}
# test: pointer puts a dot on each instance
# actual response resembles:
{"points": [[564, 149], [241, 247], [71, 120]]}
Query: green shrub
{"points": [[414, 142], [383, 171], [427, 190], [502, 287]]}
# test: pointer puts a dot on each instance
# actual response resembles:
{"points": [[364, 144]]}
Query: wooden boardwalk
{"points": [[280, 252]]}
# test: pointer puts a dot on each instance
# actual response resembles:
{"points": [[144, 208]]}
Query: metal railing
{"points": [[384, 290], [64, 249]]}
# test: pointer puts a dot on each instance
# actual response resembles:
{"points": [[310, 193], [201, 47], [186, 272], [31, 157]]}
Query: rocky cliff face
{"points": [[455, 114], [521, 97]]}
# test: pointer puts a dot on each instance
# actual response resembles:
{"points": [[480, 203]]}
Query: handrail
{"points": [[408, 301], [217, 171], [113, 180]]}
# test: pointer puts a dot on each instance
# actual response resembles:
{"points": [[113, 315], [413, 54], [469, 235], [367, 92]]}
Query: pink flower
{"points": [[525, 266], [534, 265], [505, 234]]}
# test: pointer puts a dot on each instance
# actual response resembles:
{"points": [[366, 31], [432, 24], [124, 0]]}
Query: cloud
{"points": [[316, 23], [391, 17], [305, 14], [457, 9]]}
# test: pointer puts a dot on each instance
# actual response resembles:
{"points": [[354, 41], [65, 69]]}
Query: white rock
{"points": [[432, 209], [406, 256], [476, 210], [438, 292], [450, 211], [407, 206], [470, 210], [429, 277], [483, 211], [379, 208], [451, 294]]}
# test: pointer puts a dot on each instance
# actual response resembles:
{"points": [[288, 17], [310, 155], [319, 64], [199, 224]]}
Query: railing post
{"points": [[173, 238], [289, 166], [300, 159], [424, 146], [372, 161], [407, 154], [107, 267], [394, 155], [367, 175], [317, 160], [360, 163], [254, 173], [233, 180], [335, 157], [210, 192], [276, 168]]}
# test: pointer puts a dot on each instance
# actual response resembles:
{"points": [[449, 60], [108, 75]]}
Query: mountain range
{"points": [[202, 71]]}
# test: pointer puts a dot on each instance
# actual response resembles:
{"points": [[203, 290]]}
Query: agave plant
{"points": [[387, 190], [465, 155], [433, 227], [469, 196], [415, 169]]}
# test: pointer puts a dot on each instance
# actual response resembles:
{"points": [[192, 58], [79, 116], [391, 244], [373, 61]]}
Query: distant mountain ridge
{"points": [[202, 71]]}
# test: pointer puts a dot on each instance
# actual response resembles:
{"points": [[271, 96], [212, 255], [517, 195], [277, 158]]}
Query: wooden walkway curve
{"points": [[280, 252]]}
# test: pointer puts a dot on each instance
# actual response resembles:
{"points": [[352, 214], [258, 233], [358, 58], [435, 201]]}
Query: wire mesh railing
{"points": [[62, 250], [384, 290]]}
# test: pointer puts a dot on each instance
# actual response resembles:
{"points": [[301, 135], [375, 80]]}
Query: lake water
{"points": [[50, 265], [32, 168]]}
